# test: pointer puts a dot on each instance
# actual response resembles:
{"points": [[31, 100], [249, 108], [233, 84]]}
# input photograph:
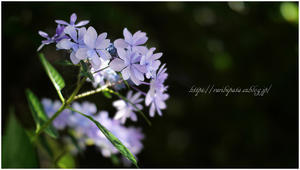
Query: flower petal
{"points": [[43, 34], [64, 44], [152, 110], [104, 54], [117, 64], [81, 53], [122, 53], [127, 36], [140, 68], [95, 61], [156, 56], [90, 37], [73, 19], [126, 73], [138, 74], [73, 58], [81, 33], [103, 44], [70, 30], [120, 43], [82, 23], [61, 22], [140, 49], [133, 77]]}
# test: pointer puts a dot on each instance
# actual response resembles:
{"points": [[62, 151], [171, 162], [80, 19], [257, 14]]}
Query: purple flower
{"points": [[151, 62], [75, 42], [125, 109], [59, 35], [132, 42], [156, 96], [129, 65], [94, 46], [51, 107], [73, 19]]}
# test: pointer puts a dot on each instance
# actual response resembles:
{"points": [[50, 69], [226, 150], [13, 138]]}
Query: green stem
{"points": [[62, 107], [49, 121], [88, 93], [100, 89]]}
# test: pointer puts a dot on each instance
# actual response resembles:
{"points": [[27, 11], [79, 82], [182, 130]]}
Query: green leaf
{"points": [[114, 140], [64, 63], [17, 150], [54, 76], [39, 114], [106, 94], [66, 161]]}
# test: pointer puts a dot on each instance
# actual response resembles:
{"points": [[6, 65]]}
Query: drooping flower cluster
{"points": [[127, 59], [87, 132]]}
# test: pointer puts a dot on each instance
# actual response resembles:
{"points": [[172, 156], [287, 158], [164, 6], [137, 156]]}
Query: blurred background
{"points": [[239, 44]]}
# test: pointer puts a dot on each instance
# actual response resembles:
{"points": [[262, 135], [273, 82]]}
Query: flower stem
{"points": [[62, 107]]}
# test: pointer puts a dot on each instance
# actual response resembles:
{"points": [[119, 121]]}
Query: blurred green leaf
{"points": [[54, 76], [114, 140], [64, 63], [289, 11], [17, 150], [39, 114], [106, 94], [115, 160], [66, 161]]}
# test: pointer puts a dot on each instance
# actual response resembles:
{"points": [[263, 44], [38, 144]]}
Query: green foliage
{"points": [[39, 114], [66, 161], [289, 11], [114, 140], [64, 63], [17, 150], [106, 94], [54, 76]]}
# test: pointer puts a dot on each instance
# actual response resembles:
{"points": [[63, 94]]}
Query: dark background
{"points": [[236, 44]]}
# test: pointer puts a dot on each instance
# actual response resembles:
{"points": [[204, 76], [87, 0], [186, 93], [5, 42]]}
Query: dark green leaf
{"points": [[64, 63], [39, 114], [54, 76], [17, 150], [114, 140]]}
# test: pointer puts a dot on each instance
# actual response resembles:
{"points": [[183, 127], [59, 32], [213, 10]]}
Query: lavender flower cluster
{"points": [[87, 132], [126, 55], [125, 61]]}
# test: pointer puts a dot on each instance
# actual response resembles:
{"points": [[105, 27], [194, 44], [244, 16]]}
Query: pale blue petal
{"points": [[90, 37], [126, 73], [120, 43], [71, 31], [64, 44], [127, 36], [81, 53], [73, 19], [82, 23], [61, 22], [117, 64]]}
